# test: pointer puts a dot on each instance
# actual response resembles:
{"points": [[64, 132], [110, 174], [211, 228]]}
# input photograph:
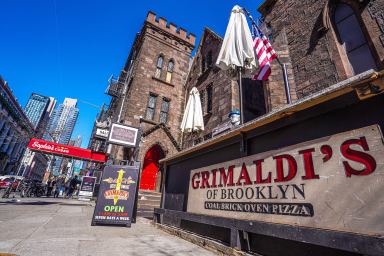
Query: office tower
{"points": [[61, 126], [38, 109]]}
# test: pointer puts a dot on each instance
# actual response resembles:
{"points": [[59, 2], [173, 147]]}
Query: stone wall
{"points": [[225, 89], [316, 56], [156, 37]]}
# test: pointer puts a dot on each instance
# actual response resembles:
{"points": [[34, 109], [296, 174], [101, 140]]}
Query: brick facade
{"points": [[306, 33], [157, 37], [205, 76], [302, 32]]}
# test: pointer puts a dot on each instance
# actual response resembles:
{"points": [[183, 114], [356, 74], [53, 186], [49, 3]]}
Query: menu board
{"points": [[116, 197]]}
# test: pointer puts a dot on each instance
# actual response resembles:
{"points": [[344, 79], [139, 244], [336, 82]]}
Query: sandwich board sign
{"points": [[86, 188], [116, 198]]}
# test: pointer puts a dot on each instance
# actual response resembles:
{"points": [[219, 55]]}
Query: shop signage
{"points": [[335, 182], [116, 196], [53, 148], [87, 186], [124, 135], [102, 133]]}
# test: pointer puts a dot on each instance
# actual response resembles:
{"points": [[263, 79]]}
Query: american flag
{"points": [[264, 53]]}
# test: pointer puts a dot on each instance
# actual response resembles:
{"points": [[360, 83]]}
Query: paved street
{"points": [[62, 227]]}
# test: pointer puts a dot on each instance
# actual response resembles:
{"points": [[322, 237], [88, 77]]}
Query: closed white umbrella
{"points": [[193, 115], [237, 48], [237, 52]]}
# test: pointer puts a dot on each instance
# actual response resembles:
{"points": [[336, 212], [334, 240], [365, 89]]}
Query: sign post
{"points": [[116, 196], [86, 188]]}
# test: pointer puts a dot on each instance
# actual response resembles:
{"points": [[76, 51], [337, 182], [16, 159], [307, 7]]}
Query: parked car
{"points": [[7, 179]]}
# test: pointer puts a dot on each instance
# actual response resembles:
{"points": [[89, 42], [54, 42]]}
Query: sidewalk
{"points": [[47, 226]]}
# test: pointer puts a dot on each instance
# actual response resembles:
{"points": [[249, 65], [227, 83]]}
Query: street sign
{"points": [[116, 196], [87, 186], [102, 133], [124, 135]]}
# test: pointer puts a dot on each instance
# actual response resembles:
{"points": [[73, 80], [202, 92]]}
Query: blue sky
{"points": [[69, 48]]}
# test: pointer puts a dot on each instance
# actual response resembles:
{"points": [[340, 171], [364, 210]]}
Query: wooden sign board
{"points": [[335, 183]]}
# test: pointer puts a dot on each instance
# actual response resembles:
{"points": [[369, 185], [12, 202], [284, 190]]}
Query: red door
{"points": [[151, 167]]}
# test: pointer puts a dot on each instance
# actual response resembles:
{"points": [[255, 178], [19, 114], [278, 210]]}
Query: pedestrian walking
{"points": [[72, 186], [49, 187], [59, 187]]}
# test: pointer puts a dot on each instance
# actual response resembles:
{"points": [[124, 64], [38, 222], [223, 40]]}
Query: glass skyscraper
{"points": [[61, 126], [35, 108], [39, 109]]}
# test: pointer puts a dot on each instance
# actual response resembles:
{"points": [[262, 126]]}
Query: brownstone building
{"points": [[152, 83], [321, 43], [334, 52]]}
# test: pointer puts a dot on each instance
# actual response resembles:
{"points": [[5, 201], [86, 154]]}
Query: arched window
{"points": [[352, 38], [159, 66], [209, 59], [169, 71]]}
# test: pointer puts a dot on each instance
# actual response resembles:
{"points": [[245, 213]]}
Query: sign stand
{"points": [[117, 199], [86, 188], [117, 194]]}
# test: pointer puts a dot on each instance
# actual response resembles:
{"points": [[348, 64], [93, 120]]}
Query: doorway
{"points": [[151, 174]]}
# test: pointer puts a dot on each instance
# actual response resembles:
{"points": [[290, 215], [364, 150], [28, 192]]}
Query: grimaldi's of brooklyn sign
{"points": [[335, 182]]}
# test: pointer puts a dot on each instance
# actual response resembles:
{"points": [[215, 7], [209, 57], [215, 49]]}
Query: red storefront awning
{"points": [[57, 149]]}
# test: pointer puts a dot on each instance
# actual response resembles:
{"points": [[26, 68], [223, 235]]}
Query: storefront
{"points": [[305, 179]]}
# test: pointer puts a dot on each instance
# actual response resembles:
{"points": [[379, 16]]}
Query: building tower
{"points": [[61, 126], [152, 83], [39, 110]]}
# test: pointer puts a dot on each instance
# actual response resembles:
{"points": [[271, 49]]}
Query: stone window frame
{"points": [[153, 108], [209, 59], [209, 90], [202, 99], [329, 22], [159, 68], [170, 71], [164, 113], [203, 65]]}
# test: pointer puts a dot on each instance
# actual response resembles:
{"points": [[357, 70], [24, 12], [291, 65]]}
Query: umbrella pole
{"points": [[181, 141], [241, 97]]}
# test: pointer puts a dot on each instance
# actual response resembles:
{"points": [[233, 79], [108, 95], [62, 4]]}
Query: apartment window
{"points": [[170, 67], [352, 38], [151, 107], [209, 98], [159, 66], [164, 110]]}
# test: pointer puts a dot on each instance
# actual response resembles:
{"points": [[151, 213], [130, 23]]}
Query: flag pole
{"points": [[241, 97], [283, 66]]}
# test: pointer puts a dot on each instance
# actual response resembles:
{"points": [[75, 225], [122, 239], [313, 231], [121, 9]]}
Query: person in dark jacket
{"points": [[72, 186], [49, 187]]}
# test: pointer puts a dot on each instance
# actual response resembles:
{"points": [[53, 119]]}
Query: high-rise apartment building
{"points": [[61, 126], [39, 110]]}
